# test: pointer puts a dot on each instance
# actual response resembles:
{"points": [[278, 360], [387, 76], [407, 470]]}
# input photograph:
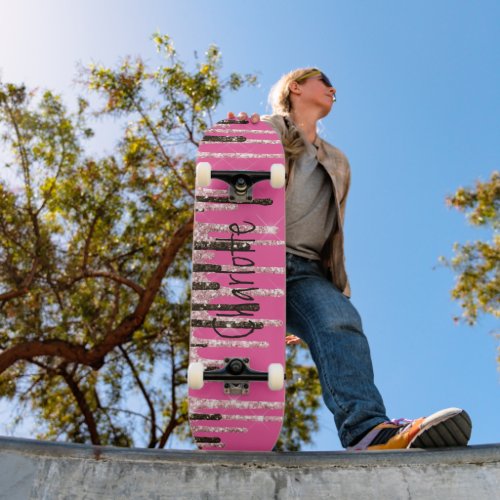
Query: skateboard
{"points": [[236, 392]]}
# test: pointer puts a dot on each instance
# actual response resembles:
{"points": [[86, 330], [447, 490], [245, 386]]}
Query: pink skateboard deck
{"points": [[238, 291]]}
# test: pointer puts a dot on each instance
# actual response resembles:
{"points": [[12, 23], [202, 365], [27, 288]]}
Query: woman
{"points": [[319, 310]]}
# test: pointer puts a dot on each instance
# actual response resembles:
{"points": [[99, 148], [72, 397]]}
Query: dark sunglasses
{"points": [[316, 72]]}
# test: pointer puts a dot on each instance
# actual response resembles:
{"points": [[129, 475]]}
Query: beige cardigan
{"points": [[337, 166]]}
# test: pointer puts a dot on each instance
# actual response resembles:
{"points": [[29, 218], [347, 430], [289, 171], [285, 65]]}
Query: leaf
{"points": [[477, 264]]}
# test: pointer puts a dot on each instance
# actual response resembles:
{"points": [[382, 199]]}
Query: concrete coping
{"points": [[477, 454]]}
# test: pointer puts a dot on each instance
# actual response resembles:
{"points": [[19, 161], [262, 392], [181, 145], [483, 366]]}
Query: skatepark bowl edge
{"points": [[31, 469]]}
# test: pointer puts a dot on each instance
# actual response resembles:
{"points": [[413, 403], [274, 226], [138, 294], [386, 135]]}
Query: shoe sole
{"points": [[451, 427]]}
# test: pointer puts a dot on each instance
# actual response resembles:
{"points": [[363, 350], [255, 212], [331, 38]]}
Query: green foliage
{"points": [[476, 263], [303, 393], [95, 254]]}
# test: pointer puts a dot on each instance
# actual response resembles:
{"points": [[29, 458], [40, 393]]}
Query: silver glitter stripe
{"points": [[194, 357], [255, 270], [205, 191], [204, 256], [260, 141], [270, 270], [205, 315], [237, 155], [199, 403], [248, 141], [204, 228], [203, 428], [256, 243], [205, 295], [202, 446], [269, 243], [216, 207], [228, 129], [246, 344]]}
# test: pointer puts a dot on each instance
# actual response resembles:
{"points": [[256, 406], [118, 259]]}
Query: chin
{"points": [[325, 111]]}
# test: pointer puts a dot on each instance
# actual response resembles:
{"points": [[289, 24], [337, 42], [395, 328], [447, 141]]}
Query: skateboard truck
{"points": [[236, 374], [240, 182]]}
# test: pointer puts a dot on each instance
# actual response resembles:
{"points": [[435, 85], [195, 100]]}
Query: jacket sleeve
{"points": [[347, 185]]}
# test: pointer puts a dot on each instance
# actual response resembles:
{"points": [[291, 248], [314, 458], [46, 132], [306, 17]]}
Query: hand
{"points": [[292, 340], [255, 118]]}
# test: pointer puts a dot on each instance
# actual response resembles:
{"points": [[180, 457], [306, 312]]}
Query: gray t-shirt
{"points": [[310, 207]]}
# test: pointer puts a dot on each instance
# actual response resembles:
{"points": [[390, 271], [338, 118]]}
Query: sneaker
{"points": [[450, 427]]}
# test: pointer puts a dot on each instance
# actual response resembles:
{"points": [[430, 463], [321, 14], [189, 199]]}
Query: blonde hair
{"points": [[281, 104], [279, 96]]}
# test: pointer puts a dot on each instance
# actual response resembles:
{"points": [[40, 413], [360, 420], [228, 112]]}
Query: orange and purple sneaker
{"points": [[450, 427]]}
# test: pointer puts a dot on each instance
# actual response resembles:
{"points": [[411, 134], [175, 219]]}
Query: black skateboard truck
{"points": [[236, 375], [240, 182]]}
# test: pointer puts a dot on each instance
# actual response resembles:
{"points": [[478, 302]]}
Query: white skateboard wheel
{"points": [[195, 375], [277, 175], [203, 174], [276, 376]]}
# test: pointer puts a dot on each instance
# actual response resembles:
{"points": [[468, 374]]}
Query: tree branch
{"points": [[7, 235], [89, 238], [53, 184], [173, 421], [24, 288], [137, 378], [98, 212], [82, 404], [121, 334], [160, 146], [114, 277]]}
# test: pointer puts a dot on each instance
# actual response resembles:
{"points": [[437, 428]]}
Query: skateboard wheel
{"points": [[195, 375], [276, 376], [203, 174], [277, 175]]}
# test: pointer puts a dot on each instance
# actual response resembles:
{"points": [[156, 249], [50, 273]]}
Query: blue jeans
{"points": [[325, 319]]}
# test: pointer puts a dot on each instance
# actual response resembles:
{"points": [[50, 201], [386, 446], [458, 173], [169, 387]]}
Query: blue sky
{"points": [[418, 115]]}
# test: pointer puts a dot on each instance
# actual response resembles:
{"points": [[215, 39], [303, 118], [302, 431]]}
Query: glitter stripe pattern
{"points": [[242, 344], [216, 207], [194, 357], [199, 403], [238, 155], [203, 230], [221, 416], [204, 245], [202, 428], [220, 130], [215, 138], [202, 315], [210, 446], [237, 270], [208, 294], [204, 198], [238, 290]]}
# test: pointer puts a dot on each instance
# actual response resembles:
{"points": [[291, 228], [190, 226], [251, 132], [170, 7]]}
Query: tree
{"points": [[477, 266], [95, 254]]}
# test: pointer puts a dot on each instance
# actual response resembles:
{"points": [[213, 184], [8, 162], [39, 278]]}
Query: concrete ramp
{"points": [[34, 469]]}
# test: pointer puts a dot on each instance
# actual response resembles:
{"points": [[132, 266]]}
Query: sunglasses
{"points": [[316, 72]]}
